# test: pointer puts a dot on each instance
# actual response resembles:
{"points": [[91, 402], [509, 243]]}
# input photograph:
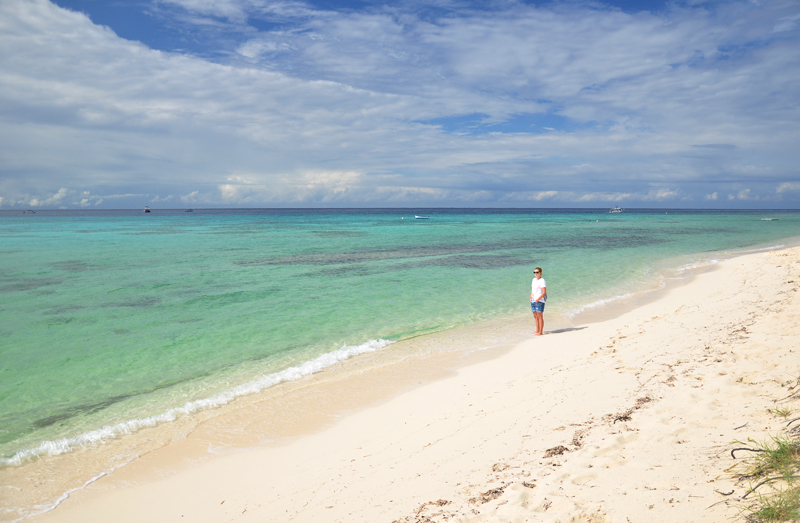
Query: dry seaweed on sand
{"points": [[555, 451], [626, 415], [489, 495]]}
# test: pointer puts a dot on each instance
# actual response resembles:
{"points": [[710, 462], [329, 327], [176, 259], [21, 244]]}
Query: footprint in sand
{"points": [[584, 480]]}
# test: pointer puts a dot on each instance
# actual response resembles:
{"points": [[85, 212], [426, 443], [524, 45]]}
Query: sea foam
{"points": [[99, 436]]}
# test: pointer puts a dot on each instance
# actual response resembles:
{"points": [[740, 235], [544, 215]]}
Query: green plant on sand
{"points": [[781, 506], [782, 412], [774, 464]]}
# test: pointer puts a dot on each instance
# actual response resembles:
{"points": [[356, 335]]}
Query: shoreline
{"points": [[627, 418], [189, 443], [120, 407]]}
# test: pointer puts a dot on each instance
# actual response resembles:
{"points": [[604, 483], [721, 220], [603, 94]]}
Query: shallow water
{"points": [[113, 320]]}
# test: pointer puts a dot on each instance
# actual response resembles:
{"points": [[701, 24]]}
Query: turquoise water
{"points": [[111, 320]]}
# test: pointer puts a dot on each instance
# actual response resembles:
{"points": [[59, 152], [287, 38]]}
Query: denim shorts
{"points": [[537, 306]]}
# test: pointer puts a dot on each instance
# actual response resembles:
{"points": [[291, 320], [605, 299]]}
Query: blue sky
{"points": [[253, 103]]}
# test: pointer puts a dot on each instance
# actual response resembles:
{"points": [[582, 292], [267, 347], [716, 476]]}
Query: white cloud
{"points": [[342, 99], [605, 197], [544, 195], [660, 194], [309, 186], [52, 201], [192, 197], [786, 23], [233, 10], [788, 187], [256, 48], [238, 11], [713, 196]]}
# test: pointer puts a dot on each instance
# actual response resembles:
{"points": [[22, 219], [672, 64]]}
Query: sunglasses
{"points": [[537, 272]]}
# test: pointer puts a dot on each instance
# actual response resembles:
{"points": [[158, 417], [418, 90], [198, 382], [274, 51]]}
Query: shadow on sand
{"points": [[570, 329]]}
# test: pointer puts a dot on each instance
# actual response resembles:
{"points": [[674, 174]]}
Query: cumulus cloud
{"points": [[788, 187], [192, 197], [745, 195], [544, 195], [568, 103], [53, 201]]}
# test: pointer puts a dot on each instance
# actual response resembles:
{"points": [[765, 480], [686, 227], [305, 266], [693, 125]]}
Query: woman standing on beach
{"points": [[538, 297]]}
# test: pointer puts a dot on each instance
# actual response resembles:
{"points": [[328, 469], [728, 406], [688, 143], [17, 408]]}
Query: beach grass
{"points": [[779, 457], [774, 464], [783, 412], [784, 505]]}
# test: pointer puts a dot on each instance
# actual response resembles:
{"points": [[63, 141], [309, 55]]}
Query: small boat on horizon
{"points": [[616, 210], [188, 210], [146, 209], [421, 217]]}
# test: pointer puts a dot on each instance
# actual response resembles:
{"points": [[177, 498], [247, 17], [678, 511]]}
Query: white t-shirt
{"points": [[536, 289]]}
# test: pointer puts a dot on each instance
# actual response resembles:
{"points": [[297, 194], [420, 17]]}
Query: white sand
{"points": [[708, 358]]}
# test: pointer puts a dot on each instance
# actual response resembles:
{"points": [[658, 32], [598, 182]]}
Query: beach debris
{"points": [[623, 416], [528, 484], [555, 451], [769, 480], [437, 503], [745, 448], [489, 495], [626, 415], [794, 430], [578, 437]]}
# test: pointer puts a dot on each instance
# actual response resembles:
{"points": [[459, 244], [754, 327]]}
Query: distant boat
{"points": [[146, 209], [616, 210], [421, 217], [32, 212], [188, 210]]}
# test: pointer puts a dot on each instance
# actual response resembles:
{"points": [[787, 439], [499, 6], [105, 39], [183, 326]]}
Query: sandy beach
{"points": [[629, 419]]}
